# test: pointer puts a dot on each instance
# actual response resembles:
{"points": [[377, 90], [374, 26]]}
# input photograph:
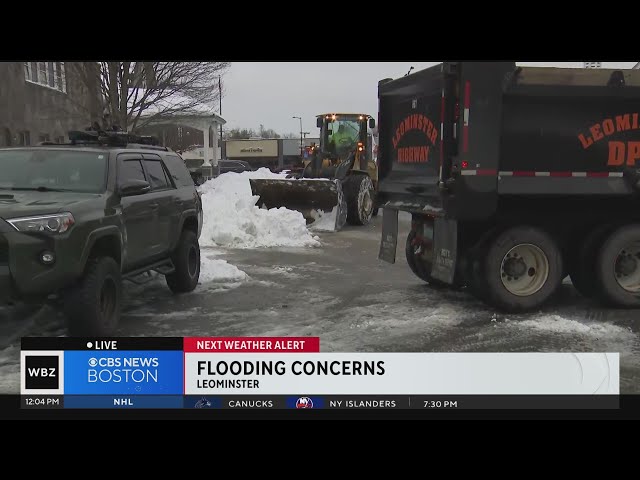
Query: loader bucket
{"points": [[321, 201]]}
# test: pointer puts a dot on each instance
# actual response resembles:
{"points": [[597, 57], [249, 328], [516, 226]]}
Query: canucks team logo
{"points": [[304, 402], [203, 403]]}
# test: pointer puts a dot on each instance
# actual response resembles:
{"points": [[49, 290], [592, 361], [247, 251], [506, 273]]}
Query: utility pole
{"points": [[301, 134], [220, 95]]}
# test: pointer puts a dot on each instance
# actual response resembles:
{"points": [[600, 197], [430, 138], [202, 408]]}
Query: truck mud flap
{"points": [[445, 247], [389, 241]]}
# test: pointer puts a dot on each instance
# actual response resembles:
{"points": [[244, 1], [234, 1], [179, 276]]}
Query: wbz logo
{"points": [[42, 372]]}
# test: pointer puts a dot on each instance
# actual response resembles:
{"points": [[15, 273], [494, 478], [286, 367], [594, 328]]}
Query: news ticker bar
{"points": [[324, 402], [263, 366]]}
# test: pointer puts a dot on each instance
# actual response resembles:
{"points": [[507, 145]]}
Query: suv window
{"points": [[130, 169], [58, 169], [157, 178], [178, 171]]}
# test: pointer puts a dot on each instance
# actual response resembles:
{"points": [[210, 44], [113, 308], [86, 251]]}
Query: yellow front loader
{"points": [[339, 182]]}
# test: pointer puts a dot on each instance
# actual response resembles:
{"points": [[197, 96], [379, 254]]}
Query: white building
{"points": [[209, 124]]}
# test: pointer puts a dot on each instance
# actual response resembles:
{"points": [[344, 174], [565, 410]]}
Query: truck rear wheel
{"points": [[360, 195], [618, 267], [93, 305], [523, 269], [186, 260], [418, 266]]}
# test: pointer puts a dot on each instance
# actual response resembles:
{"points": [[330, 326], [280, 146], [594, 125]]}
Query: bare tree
{"points": [[139, 93], [240, 133], [267, 132]]}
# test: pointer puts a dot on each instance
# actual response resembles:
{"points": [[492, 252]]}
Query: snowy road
{"points": [[342, 293]]}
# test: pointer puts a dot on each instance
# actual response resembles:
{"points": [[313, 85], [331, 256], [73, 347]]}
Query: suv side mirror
{"points": [[133, 187], [372, 123]]}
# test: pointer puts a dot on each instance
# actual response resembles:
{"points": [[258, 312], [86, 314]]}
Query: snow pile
{"points": [[232, 219], [216, 270]]}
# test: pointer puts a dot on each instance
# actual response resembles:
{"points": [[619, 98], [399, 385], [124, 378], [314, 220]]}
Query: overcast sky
{"points": [[272, 93]]}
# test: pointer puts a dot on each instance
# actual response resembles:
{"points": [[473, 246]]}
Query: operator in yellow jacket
{"points": [[342, 141]]}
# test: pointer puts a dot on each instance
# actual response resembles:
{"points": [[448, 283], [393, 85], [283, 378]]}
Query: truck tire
{"points": [[343, 210], [419, 266], [93, 305], [618, 267], [523, 269], [186, 260], [360, 197], [582, 263]]}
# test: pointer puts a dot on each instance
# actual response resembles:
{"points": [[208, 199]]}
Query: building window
{"points": [[60, 77], [44, 137], [24, 138], [60, 139], [6, 138], [34, 71], [42, 72], [49, 74]]}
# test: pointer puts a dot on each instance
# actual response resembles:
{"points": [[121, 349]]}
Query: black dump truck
{"points": [[515, 178]]}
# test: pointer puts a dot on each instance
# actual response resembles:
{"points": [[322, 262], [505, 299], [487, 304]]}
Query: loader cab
{"points": [[341, 134]]}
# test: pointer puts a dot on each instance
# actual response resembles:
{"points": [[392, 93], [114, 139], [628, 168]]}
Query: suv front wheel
{"points": [[93, 305], [186, 260]]}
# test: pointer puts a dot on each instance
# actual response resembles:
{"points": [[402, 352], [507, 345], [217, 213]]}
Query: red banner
{"points": [[252, 344]]}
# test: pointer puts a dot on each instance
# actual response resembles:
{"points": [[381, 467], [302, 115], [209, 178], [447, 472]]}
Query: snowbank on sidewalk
{"points": [[231, 218], [219, 271]]}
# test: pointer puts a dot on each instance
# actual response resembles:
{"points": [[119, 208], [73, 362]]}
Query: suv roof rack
{"points": [[115, 138]]}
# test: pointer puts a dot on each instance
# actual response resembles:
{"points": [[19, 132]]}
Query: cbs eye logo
{"points": [[93, 362]]}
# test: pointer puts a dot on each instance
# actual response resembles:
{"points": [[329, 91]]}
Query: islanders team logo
{"points": [[304, 402]]}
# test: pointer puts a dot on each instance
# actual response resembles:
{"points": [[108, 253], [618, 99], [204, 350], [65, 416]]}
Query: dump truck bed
{"points": [[458, 139]]}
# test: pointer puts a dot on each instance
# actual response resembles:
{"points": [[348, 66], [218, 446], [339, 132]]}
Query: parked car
{"points": [[77, 219], [237, 166]]}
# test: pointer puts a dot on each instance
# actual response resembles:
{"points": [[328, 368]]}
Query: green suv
{"points": [[77, 219]]}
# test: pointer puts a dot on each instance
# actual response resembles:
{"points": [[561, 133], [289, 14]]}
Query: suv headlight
{"points": [[56, 223]]}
